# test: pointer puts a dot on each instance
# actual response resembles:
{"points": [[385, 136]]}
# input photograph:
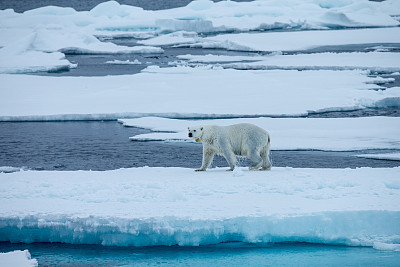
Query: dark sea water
{"points": [[105, 145]]}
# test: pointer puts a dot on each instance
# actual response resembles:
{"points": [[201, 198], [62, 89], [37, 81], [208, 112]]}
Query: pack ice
{"points": [[177, 206], [32, 37]]}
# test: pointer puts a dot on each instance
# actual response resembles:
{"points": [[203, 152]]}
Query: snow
{"points": [[124, 62], [17, 258], [373, 61], [300, 40], [178, 206], [182, 91], [179, 37], [57, 29], [334, 134], [41, 51], [385, 156], [8, 169]]}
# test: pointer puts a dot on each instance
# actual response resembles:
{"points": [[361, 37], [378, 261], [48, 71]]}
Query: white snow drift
{"points": [[177, 206]]}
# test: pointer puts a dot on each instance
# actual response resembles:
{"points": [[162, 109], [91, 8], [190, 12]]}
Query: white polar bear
{"points": [[242, 139]]}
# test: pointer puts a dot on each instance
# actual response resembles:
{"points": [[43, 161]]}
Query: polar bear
{"points": [[242, 139]]}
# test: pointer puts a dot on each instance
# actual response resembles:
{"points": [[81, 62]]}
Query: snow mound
{"points": [[178, 206], [17, 258]]}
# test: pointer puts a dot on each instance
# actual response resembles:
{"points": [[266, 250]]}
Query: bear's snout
{"points": [[190, 135]]}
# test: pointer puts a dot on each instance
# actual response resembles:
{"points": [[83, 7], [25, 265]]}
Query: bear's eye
{"points": [[194, 130]]}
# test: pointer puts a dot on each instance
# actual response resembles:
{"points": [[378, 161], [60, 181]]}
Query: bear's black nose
{"points": [[190, 134]]}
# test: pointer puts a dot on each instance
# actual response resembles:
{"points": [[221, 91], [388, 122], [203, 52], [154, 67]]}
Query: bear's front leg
{"points": [[208, 157], [228, 155]]}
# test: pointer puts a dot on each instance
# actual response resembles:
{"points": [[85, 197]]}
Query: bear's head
{"points": [[195, 132]]}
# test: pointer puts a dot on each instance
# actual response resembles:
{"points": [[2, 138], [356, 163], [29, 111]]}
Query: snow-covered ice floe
{"points": [[300, 40], [58, 29], [332, 134], [373, 61], [183, 91], [17, 258], [178, 206], [124, 62]]}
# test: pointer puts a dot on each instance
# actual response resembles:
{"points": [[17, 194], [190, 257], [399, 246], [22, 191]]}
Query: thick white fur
{"points": [[242, 139]]}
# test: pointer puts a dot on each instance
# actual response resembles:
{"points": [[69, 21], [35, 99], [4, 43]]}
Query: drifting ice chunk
{"points": [[17, 258]]}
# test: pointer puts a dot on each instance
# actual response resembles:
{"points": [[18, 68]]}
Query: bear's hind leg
{"points": [[256, 160]]}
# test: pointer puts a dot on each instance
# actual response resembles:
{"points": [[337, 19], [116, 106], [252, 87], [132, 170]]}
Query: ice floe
{"points": [[300, 40], [385, 156], [57, 29], [177, 206], [191, 92], [374, 61], [17, 258], [334, 134], [124, 62]]}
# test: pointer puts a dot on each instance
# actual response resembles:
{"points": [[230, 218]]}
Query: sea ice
{"points": [[178, 206], [385, 156], [183, 91], [373, 61], [124, 62], [17, 258], [57, 29], [334, 134], [300, 40]]}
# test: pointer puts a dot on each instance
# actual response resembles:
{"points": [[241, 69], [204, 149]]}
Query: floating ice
{"points": [[58, 29], [177, 206], [374, 61], [301, 40], [17, 258], [9, 169], [385, 156], [174, 92], [124, 62], [336, 134]]}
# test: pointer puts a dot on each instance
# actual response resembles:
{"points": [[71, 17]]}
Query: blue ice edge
{"points": [[349, 228]]}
